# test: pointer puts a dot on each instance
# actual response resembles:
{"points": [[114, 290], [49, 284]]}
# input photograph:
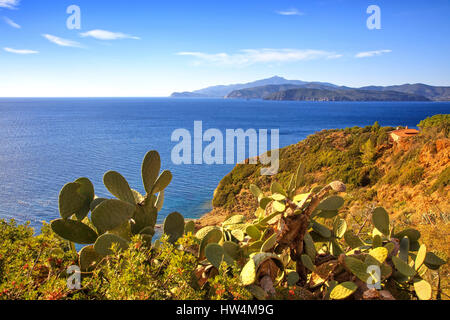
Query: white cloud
{"points": [[107, 35], [23, 51], [11, 23], [10, 4], [290, 12], [61, 42], [367, 54], [252, 56]]}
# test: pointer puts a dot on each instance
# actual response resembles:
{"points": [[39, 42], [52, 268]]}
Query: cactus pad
{"points": [[292, 278], [150, 170], [412, 234], [357, 267], [353, 240], [104, 244], [88, 258], [162, 182], [110, 214], [403, 267], [331, 203], [214, 253], [174, 226], [74, 231], [118, 186], [423, 289], [421, 255], [380, 220], [253, 232], [343, 290], [307, 262]]}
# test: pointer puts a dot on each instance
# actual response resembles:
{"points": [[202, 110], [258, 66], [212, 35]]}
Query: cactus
{"points": [[322, 230], [412, 234], [234, 220], [75, 199], [174, 226], [310, 248], [307, 262], [88, 258], [115, 220], [380, 249], [403, 267], [269, 243], [331, 204], [249, 272], [357, 267], [353, 240], [380, 220], [118, 186], [292, 278], [110, 214], [379, 254], [232, 250], [162, 182], [339, 228], [207, 236], [343, 290], [74, 231], [433, 262], [404, 249], [189, 227], [150, 170], [215, 254], [280, 246], [420, 258], [105, 242], [253, 232], [423, 289]]}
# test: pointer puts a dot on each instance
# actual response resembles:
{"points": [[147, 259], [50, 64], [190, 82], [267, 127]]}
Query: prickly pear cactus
{"points": [[115, 220]]}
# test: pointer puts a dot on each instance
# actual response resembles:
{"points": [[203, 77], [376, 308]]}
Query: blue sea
{"points": [[45, 143]]}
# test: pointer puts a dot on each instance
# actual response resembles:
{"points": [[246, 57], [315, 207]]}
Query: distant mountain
{"points": [[305, 94], [430, 92], [223, 91], [260, 92], [273, 88]]}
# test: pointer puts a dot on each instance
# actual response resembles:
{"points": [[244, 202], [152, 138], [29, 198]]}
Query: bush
{"points": [[442, 181], [439, 122], [411, 175]]}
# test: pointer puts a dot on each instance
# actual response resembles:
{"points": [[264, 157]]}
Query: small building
{"points": [[402, 134]]}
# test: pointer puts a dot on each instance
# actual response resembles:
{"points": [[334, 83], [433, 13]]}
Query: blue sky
{"points": [[152, 48]]}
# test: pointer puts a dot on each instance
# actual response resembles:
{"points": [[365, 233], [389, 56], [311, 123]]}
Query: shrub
{"points": [[411, 175], [442, 181]]}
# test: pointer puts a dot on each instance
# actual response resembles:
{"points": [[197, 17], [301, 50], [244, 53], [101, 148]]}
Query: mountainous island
{"points": [[280, 89]]}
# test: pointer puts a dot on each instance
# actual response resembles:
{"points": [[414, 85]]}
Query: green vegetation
{"points": [[296, 247], [442, 181], [345, 154], [440, 122], [304, 94]]}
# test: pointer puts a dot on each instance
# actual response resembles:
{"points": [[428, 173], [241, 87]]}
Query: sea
{"points": [[48, 142]]}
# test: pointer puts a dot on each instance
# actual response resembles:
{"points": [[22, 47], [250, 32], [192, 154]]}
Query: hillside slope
{"points": [[306, 94], [430, 92]]}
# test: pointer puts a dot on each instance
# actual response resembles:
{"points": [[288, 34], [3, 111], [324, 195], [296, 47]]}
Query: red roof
{"points": [[406, 132]]}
